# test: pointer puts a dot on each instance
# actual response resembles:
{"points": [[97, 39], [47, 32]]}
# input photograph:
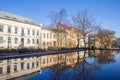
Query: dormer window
{"points": [[26, 21], [14, 18], [7, 17]]}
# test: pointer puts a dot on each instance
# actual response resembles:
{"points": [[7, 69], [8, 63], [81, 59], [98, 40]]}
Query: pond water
{"points": [[97, 65]]}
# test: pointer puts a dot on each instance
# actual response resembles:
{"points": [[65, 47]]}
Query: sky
{"points": [[105, 12]]}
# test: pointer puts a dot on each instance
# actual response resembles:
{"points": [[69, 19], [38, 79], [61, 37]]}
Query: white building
{"points": [[18, 32]]}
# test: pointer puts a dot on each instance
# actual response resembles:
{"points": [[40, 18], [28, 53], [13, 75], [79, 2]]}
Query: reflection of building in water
{"points": [[17, 67]]}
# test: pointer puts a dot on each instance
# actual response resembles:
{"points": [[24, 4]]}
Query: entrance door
{"points": [[54, 43]]}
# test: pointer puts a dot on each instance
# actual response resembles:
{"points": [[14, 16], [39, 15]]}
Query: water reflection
{"points": [[82, 65], [106, 57]]}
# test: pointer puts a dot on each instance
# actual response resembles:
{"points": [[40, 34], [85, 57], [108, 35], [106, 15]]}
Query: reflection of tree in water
{"points": [[85, 70], [81, 71], [106, 57]]}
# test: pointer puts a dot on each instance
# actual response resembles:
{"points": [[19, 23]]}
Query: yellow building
{"points": [[68, 36]]}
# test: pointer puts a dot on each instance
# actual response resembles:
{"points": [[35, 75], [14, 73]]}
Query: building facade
{"points": [[48, 38], [68, 36], [18, 32], [21, 32]]}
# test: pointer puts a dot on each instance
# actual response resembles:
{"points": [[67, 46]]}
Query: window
{"points": [[9, 39], [44, 43], [28, 66], [9, 29], [26, 21], [47, 35], [50, 35], [7, 17], [37, 41], [50, 59], [14, 18], [16, 30], [22, 58], [37, 33], [1, 61], [43, 61], [1, 39], [28, 41], [1, 28], [16, 40], [33, 32], [15, 67], [22, 66], [47, 43], [32, 64], [8, 61], [1, 70], [47, 60], [37, 63], [22, 32], [15, 59], [28, 32], [8, 69], [43, 35], [33, 41]]}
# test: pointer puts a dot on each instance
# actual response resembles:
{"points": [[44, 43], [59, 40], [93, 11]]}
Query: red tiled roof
{"points": [[69, 27], [92, 35]]}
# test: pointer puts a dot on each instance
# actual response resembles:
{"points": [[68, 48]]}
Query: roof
{"points": [[65, 26], [92, 35], [69, 27], [13, 17]]}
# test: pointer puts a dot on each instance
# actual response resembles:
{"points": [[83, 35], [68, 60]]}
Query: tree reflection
{"points": [[85, 70], [106, 57], [82, 70]]}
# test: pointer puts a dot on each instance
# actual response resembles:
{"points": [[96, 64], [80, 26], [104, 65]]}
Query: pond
{"points": [[94, 65]]}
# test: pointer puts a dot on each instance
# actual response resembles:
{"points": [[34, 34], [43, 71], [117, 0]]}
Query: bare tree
{"points": [[116, 43], [85, 23], [105, 38], [57, 18]]}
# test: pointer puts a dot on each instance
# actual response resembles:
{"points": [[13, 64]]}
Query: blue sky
{"points": [[106, 12]]}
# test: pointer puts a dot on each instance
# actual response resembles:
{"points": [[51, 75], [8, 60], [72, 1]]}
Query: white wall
{"points": [[19, 25]]}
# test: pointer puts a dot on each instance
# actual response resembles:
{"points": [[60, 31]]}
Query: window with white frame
{"points": [[16, 30], [33, 32], [9, 39], [37, 33], [1, 28], [22, 32], [33, 41], [50, 35], [47, 35], [43, 35], [1, 70], [28, 32], [9, 29], [15, 67], [1, 39], [28, 41], [16, 40]]}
